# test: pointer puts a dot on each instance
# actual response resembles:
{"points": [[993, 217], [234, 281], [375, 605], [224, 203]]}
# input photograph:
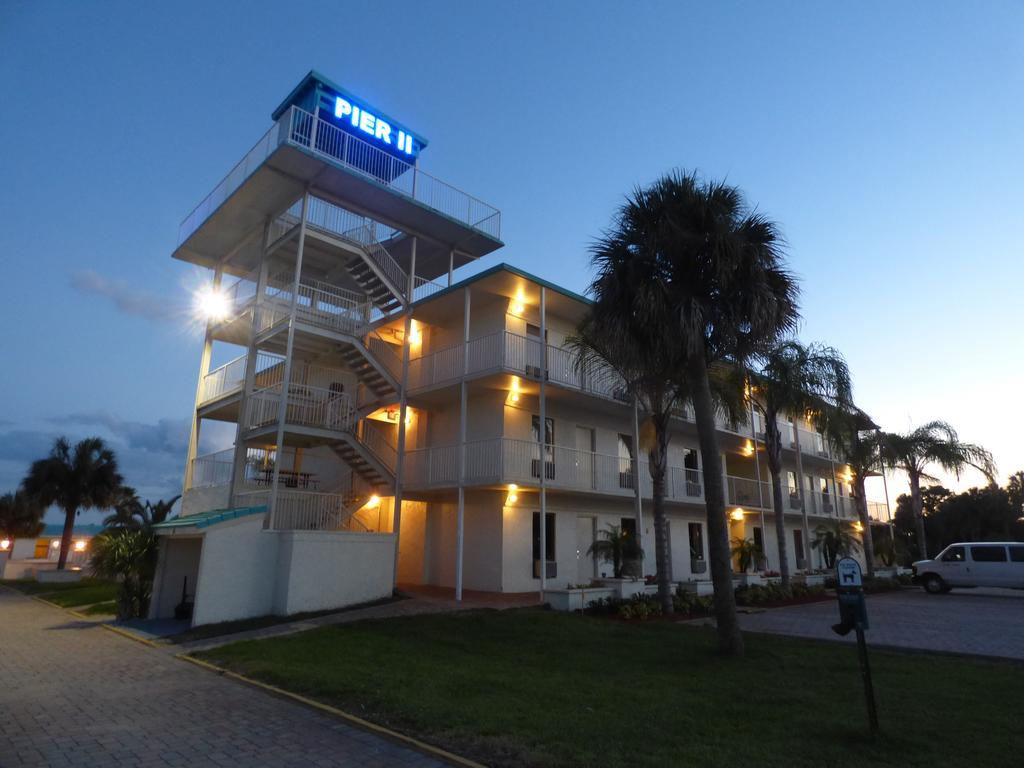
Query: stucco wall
{"points": [[196, 500], [236, 571], [179, 559], [317, 570]]}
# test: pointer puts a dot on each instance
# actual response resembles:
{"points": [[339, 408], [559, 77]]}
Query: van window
{"points": [[953, 555], [990, 554], [1017, 554]]}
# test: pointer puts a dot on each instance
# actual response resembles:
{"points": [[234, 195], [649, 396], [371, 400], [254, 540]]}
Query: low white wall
{"points": [[236, 572], [319, 570]]}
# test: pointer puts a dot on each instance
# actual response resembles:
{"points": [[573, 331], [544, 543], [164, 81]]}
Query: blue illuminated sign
{"points": [[372, 125]]}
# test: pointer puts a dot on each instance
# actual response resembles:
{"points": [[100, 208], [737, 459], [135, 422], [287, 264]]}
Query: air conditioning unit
{"points": [[552, 569], [533, 370]]}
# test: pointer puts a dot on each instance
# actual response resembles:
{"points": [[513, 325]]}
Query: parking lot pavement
{"points": [[984, 622], [75, 694]]}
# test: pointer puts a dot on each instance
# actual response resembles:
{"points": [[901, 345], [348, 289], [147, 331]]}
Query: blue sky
{"points": [[884, 137]]}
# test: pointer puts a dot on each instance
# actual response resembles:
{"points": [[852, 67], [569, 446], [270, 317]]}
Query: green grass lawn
{"points": [[540, 688], [108, 608], [70, 594]]}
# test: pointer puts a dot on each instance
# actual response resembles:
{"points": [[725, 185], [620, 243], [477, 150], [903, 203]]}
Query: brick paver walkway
{"points": [[75, 694], [985, 622]]}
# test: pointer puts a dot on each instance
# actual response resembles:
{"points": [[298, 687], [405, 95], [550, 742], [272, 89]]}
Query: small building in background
{"points": [[22, 558]]}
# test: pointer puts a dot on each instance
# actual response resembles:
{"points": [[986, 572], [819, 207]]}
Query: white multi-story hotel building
{"points": [[366, 378]]}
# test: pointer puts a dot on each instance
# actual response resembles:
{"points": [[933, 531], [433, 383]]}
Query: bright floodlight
{"points": [[212, 304]]}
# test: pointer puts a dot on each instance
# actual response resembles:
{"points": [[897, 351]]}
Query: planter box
{"points": [[624, 588], [700, 588], [814, 580], [746, 579], [575, 599], [885, 573]]}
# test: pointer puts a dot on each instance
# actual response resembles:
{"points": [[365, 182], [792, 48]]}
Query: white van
{"points": [[973, 564]]}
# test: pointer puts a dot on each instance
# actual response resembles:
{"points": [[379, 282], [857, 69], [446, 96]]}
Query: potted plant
{"points": [[746, 553]]}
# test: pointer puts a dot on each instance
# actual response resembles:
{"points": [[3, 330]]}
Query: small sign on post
{"points": [[853, 615]]}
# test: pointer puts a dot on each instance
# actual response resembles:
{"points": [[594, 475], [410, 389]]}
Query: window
{"points": [[549, 543], [42, 550], [823, 485], [628, 526], [989, 554], [625, 461], [696, 542], [791, 482], [759, 538], [549, 447], [798, 544], [1017, 554], [953, 555]]}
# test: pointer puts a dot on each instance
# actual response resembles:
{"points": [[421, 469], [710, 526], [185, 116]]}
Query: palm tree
{"points": [[127, 509], [747, 552], [615, 546], [159, 512], [624, 330], [857, 439], [20, 515], [935, 443], [73, 479], [730, 296], [835, 539], [793, 378]]}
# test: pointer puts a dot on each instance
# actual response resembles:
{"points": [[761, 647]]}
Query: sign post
{"points": [[853, 615]]}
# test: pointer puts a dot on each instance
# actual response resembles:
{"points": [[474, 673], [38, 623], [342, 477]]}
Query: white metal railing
{"points": [[390, 171], [298, 126], [252, 160], [746, 492], [376, 440], [212, 469], [423, 288], [385, 354], [877, 510], [307, 406], [220, 381], [507, 460], [812, 443]]}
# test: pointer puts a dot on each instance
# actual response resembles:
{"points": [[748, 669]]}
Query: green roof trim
{"points": [[206, 519], [503, 267]]}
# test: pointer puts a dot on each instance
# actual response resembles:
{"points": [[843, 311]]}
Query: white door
{"points": [[585, 565], [584, 459]]}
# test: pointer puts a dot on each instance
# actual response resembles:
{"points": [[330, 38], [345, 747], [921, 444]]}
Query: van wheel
{"points": [[934, 585]]}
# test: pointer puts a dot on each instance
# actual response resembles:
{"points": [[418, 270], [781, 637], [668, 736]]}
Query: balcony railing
{"points": [[307, 406], [507, 460], [747, 492], [229, 378], [298, 127]]}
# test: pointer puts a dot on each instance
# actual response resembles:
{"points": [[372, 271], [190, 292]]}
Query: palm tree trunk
{"points": [[773, 447], [730, 641], [662, 552], [65, 537], [865, 520], [918, 506]]}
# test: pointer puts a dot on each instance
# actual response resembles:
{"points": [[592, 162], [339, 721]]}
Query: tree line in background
{"points": [[693, 304], [86, 476]]}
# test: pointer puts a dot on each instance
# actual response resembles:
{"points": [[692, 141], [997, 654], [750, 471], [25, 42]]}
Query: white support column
{"points": [[638, 505], [451, 266], [542, 439], [204, 368], [757, 474], [463, 407], [403, 403], [282, 410], [249, 382], [802, 490]]}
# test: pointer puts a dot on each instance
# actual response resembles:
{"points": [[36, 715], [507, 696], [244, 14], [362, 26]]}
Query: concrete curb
{"points": [[358, 722]]}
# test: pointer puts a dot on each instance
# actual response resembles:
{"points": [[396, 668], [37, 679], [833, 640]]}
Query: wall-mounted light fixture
{"points": [[513, 494], [737, 515]]}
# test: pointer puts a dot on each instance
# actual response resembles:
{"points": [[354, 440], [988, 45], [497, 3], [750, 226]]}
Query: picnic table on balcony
{"points": [[288, 478]]}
